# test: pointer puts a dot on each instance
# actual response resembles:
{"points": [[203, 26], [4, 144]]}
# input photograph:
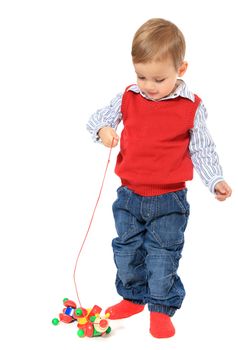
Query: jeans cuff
{"points": [[168, 310]]}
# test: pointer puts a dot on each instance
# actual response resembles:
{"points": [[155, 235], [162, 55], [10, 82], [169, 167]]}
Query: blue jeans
{"points": [[148, 248]]}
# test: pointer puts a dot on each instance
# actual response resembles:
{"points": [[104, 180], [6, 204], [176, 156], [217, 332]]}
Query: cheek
{"points": [[169, 85], [139, 83]]}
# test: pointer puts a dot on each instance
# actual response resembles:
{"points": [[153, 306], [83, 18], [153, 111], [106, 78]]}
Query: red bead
{"points": [[103, 323]]}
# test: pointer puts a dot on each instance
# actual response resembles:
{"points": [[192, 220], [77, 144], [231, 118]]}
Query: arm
{"points": [[205, 158], [103, 123]]}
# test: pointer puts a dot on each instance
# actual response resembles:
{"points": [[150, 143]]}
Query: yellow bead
{"points": [[107, 315], [82, 320], [88, 311]]}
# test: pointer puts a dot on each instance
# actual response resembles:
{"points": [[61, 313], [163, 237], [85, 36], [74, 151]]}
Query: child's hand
{"points": [[107, 134], [222, 190]]}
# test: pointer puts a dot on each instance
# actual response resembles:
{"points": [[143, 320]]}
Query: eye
{"points": [[141, 78], [159, 80]]}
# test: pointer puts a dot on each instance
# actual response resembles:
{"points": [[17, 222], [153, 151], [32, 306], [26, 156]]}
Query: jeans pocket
{"points": [[125, 223], [181, 199], [123, 199], [168, 230], [130, 267]]}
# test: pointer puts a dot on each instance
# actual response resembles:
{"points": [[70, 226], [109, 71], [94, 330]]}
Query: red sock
{"points": [[161, 325], [124, 309]]}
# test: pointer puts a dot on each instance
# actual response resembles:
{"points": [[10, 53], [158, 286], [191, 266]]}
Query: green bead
{"points": [[65, 299], [96, 333], [92, 318], [81, 333], [108, 330], [78, 312], [55, 321]]}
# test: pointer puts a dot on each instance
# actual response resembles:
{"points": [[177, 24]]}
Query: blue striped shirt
{"points": [[201, 146]]}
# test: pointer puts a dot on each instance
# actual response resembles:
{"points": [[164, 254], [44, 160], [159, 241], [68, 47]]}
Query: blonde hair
{"points": [[156, 40]]}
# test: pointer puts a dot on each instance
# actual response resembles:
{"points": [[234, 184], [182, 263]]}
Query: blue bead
{"points": [[69, 311]]}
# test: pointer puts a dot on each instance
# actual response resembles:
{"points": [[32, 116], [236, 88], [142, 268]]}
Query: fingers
{"points": [[114, 139], [221, 197], [222, 190], [111, 142], [109, 137]]}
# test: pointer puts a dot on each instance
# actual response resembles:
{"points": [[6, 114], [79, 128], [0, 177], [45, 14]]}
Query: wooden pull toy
{"points": [[90, 322]]}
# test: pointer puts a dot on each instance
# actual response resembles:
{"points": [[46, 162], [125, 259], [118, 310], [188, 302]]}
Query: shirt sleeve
{"points": [[203, 151], [107, 116]]}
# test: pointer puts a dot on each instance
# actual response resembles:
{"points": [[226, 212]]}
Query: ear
{"points": [[182, 69]]}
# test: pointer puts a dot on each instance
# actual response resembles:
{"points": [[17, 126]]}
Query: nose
{"points": [[150, 86]]}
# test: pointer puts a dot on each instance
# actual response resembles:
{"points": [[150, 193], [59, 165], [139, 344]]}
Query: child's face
{"points": [[158, 79]]}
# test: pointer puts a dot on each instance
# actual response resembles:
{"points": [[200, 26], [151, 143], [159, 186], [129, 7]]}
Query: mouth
{"points": [[152, 94]]}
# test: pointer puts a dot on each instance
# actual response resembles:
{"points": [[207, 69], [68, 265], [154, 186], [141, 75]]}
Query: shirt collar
{"points": [[181, 90]]}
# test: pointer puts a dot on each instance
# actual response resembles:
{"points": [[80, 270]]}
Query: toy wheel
{"points": [[70, 303], [65, 318]]}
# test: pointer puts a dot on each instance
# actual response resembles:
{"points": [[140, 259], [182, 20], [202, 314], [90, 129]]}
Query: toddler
{"points": [[164, 137]]}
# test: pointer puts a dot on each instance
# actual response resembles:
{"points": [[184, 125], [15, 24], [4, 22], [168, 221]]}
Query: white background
{"points": [[60, 61]]}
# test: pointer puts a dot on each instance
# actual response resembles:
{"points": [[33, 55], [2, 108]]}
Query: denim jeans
{"points": [[148, 248]]}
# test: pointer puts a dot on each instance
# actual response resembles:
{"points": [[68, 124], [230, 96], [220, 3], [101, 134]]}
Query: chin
{"points": [[154, 96]]}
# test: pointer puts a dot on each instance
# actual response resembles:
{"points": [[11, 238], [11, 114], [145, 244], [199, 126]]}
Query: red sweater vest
{"points": [[154, 156]]}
